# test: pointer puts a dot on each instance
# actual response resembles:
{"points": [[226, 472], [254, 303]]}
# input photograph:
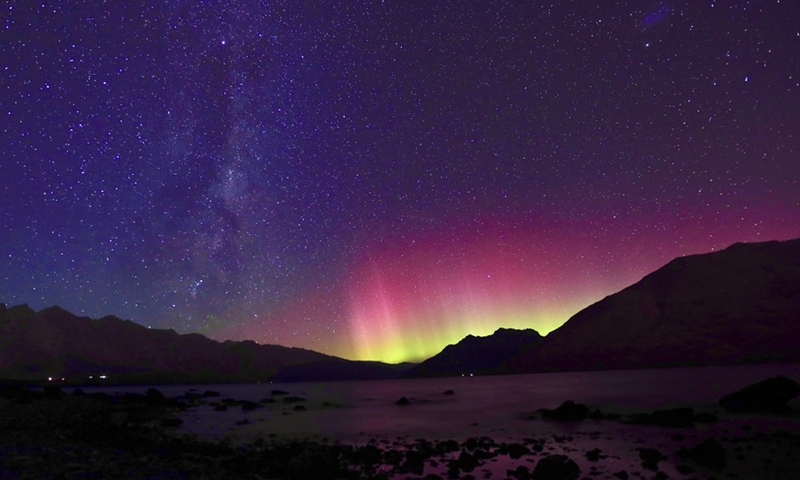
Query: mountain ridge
{"points": [[737, 305], [56, 343], [478, 355]]}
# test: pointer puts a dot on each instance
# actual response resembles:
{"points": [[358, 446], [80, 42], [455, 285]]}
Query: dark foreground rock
{"points": [[650, 458], [770, 395], [54, 435], [57, 436], [674, 417], [132, 437], [568, 411], [710, 454], [87, 436], [682, 417], [556, 467]]}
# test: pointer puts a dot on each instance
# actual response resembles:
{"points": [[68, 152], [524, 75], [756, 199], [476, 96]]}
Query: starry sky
{"points": [[377, 179]]}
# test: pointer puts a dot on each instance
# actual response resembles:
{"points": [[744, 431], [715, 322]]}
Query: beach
{"points": [[489, 427]]}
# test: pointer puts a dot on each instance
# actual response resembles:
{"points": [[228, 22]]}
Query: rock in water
{"points": [[675, 417], [155, 397], [155, 394], [569, 411], [705, 417], [293, 399], [249, 406], [770, 395], [556, 467]]}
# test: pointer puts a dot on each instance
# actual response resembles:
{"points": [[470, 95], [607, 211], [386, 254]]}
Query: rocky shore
{"points": [[50, 434]]}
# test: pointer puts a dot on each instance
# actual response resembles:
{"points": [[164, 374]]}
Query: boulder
{"points": [[568, 411], [705, 417], [154, 396], [465, 462], [249, 406], [556, 467], [403, 401], [517, 450], [154, 393], [594, 455], [522, 472], [710, 454], [650, 458], [640, 419], [675, 417], [293, 399], [414, 463], [770, 395]]}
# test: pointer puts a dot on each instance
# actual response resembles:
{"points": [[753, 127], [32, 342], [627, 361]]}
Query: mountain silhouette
{"points": [[56, 343], [478, 355], [738, 305]]}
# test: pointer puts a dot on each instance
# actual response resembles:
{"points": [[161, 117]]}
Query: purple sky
{"points": [[348, 176]]}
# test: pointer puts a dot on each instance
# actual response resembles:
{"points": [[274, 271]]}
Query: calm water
{"points": [[494, 405]]}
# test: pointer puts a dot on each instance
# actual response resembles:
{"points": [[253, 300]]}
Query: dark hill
{"points": [[55, 343], [738, 305], [478, 355]]}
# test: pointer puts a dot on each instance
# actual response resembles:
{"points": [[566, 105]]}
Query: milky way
{"points": [[378, 179]]}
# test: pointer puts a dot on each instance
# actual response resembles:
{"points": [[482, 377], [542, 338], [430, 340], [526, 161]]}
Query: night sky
{"points": [[377, 179]]}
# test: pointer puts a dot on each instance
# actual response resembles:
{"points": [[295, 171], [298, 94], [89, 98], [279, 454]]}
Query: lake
{"points": [[489, 405], [500, 408]]}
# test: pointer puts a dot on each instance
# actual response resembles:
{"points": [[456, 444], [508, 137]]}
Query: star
{"points": [[377, 181]]}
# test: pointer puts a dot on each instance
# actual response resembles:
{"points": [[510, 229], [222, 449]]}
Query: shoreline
{"points": [[51, 433]]}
